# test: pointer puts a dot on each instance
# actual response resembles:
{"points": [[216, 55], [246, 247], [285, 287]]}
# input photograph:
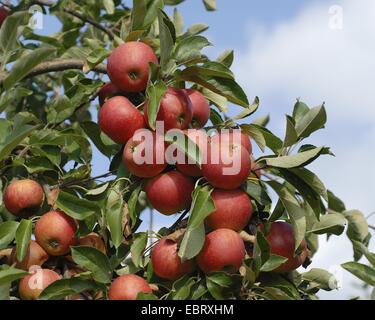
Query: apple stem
{"points": [[247, 237]]}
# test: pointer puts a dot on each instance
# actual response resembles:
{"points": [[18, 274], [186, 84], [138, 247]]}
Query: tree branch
{"points": [[60, 65], [97, 25]]}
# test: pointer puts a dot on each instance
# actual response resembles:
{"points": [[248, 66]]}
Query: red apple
{"points": [[200, 138], [227, 165], [170, 192], [201, 108], [35, 256], [282, 243], [127, 287], [175, 110], [108, 91], [233, 210], [92, 240], [119, 119], [144, 154], [166, 262], [3, 14], [32, 285], [54, 232], [128, 66], [231, 135], [23, 197], [223, 248]]}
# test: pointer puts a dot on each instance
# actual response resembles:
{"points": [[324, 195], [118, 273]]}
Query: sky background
{"points": [[288, 49]]}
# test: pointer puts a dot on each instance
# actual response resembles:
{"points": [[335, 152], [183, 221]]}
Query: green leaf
{"points": [[196, 29], [219, 101], [292, 207], [75, 207], [300, 110], [277, 294], [7, 233], [94, 261], [193, 240], [173, 2], [357, 225], [139, 11], [190, 48], [273, 262], [109, 6], [182, 288], [132, 204], [61, 288], [185, 145], [23, 237], [361, 271], [226, 58], [312, 121], [217, 283], [25, 64], [138, 246], [167, 36], [291, 135], [9, 32], [11, 274], [335, 203], [263, 137], [294, 161], [155, 93], [13, 139], [262, 121], [261, 251], [115, 215], [248, 111], [60, 109], [207, 70], [210, 5], [257, 192], [320, 278], [333, 223]]}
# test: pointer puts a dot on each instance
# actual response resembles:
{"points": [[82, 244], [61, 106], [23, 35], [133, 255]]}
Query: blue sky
{"points": [[287, 49]]}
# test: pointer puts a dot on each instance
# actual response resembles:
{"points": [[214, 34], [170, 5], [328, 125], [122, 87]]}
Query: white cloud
{"points": [[304, 58]]}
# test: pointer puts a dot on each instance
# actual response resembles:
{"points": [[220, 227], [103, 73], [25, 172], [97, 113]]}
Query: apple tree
{"points": [[240, 236]]}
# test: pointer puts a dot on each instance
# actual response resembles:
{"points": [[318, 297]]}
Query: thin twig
{"points": [[181, 217]]}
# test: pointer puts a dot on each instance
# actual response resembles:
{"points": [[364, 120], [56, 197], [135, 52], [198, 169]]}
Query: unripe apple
{"points": [[170, 192], [233, 210], [23, 197], [223, 248], [35, 256], [282, 243], [200, 138], [127, 287], [144, 154], [92, 240], [228, 164], [232, 137], [119, 119], [31, 286], [175, 110], [166, 262], [201, 108], [3, 14], [128, 66], [54, 232], [108, 91]]}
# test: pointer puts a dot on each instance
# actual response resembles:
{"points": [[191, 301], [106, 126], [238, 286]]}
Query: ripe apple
{"points": [[54, 232], [35, 256], [127, 287], [282, 243], [231, 135], [233, 210], [128, 66], [3, 14], [227, 165], [92, 240], [223, 248], [175, 110], [166, 262], [31, 286], [119, 119], [108, 91], [200, 138], [201, 108], [170, 192], [144, 154], [23, 197]]}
